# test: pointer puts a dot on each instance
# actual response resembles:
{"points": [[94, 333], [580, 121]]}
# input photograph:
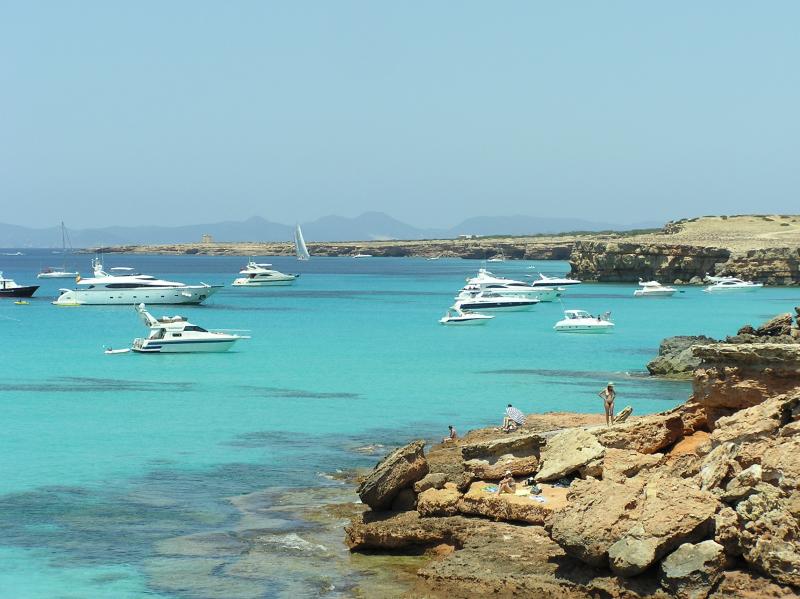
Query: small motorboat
{"points": [[9, 288], [725, 284], [362, 255], [261, 275], [53, 272], [22, 303], [124, 350], [653, 289], [177, 335], [580, 321], [489, 300], [456, 316]]}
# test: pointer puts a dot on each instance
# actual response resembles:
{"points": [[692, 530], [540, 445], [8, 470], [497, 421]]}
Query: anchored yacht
{"points": [[653, 289], [124, 286], [456, 316], [725, 284], [487, 281], [580, 321], [261, 275], [489, 300], [171, 335], [545, 281], [9, 288]]}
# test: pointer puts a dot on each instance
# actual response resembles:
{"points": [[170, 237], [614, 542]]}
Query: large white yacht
{"points": [[580, 321], [130, 287], [175, 334], [487, 281], [726, 284], [489, 300], [261, 275]]}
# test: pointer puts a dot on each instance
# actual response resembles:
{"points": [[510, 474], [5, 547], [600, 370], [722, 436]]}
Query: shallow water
{"points": [[181, 476]]}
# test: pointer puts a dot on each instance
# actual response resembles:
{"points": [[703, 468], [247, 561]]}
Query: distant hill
{"points": [[367, 226]]}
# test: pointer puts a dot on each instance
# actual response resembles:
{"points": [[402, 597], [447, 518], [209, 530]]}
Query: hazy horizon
{"points": [[194, 112]]}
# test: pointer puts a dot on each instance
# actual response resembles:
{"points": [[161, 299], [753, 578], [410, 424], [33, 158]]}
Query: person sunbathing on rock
{"points": [[452, 435], [507, 484]]}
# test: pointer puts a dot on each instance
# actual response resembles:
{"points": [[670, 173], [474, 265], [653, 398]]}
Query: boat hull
{"points": [[184, 347], [24, 291], [57, 275], [463, 322], [747, 289], [274, 283], [640, 293], [504, 307], [191, 294]]}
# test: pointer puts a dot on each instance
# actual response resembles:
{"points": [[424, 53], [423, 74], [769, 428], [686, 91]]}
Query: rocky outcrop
{"points": [[509, 507], [397, 471], [649, 434], [439, 502], [567, 452], [732, 377], [627, 262], [675, 358]]}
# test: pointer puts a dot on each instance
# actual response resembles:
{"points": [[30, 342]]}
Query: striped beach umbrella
{"points": [[515, 415]]}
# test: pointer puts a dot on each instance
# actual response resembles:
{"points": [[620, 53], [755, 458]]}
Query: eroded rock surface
{"points": [[397, 471], [567, 452]]}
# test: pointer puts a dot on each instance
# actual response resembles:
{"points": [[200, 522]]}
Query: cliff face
{"points": [[774, 266], [628, 262]]}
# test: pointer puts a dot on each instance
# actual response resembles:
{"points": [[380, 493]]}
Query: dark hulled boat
{"points": [[9, 288]]}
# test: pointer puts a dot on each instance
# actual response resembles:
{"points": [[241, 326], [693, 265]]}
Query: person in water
{"points": [[609, 395], [452, 435]]}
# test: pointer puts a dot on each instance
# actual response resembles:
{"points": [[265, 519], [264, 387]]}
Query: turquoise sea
{"points": [[188, 475]]}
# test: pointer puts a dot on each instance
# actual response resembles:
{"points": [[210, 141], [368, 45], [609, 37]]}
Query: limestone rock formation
{"points": [[439, 502], [490, 460], [566, 452], [675, 358], [509, 507], [691, 571], [399, 470], [648, 434], [432, 480]]}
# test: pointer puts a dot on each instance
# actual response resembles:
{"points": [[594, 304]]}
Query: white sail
{"points": [[300, 245]]}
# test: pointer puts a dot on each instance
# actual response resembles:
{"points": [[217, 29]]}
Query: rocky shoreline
{"points": [[765, 249], [700, 501]]}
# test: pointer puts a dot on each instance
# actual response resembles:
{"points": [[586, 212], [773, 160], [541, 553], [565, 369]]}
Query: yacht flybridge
{"points": [[124, 286], [726, 284], [170, 335], [487, 281], [261, 275]]}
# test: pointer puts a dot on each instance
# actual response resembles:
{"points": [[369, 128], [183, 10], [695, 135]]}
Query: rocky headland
{"points": [[763, 248], [699, 501]]}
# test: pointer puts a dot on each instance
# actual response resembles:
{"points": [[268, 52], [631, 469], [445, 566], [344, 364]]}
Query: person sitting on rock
{"points": [[512, 419], [452, 435], [507, 484]]}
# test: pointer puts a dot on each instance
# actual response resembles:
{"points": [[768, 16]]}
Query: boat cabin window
{"points": [[158, 334], [123, 286], [195, 328]]}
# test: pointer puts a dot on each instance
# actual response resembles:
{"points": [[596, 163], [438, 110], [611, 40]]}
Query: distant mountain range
{"points": [[368, 226]]}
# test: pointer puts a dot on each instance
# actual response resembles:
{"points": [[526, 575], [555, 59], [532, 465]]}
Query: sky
{"points": [[193, 111]]}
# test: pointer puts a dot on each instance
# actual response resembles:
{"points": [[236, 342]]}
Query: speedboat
{"points": [[489, 300], [261, 275], [362, 255], [497, 258], [171, 335], [9, 288], [456, 316], [580, 321], [487, 281], [545, 281], [125, 286], [724, 284], [653, 289]]}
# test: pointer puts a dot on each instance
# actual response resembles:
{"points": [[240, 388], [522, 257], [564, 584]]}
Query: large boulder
{"points": [[619, 464], [691, 571], [567, 452], [675, 358], [776, 326], [489, 460], [672, 512], [432, 480], [439, 502], [648, 434], [397, 471]]}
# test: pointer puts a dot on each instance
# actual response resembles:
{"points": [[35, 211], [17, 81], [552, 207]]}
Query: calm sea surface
{"points": [[143, 475]]}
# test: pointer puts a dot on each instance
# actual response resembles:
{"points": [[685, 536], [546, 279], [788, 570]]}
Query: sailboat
{"points": [[300, 245], [53, 272]]}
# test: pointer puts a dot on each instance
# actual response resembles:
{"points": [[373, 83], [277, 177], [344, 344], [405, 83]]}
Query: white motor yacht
{"points": [[10, 288], [726, 284], [545, 281], [487, 281], [171, 335], [653, 289], [124, 286], [489, 300], [362, 255], [261, 275], [53, 272], [580, 321], [456, 316]]}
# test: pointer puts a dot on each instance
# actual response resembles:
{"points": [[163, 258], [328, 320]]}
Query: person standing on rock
{"points": [[609, 395]]}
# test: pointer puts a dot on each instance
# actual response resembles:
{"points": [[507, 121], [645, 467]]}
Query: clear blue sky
{"points": [[198, 111]]}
